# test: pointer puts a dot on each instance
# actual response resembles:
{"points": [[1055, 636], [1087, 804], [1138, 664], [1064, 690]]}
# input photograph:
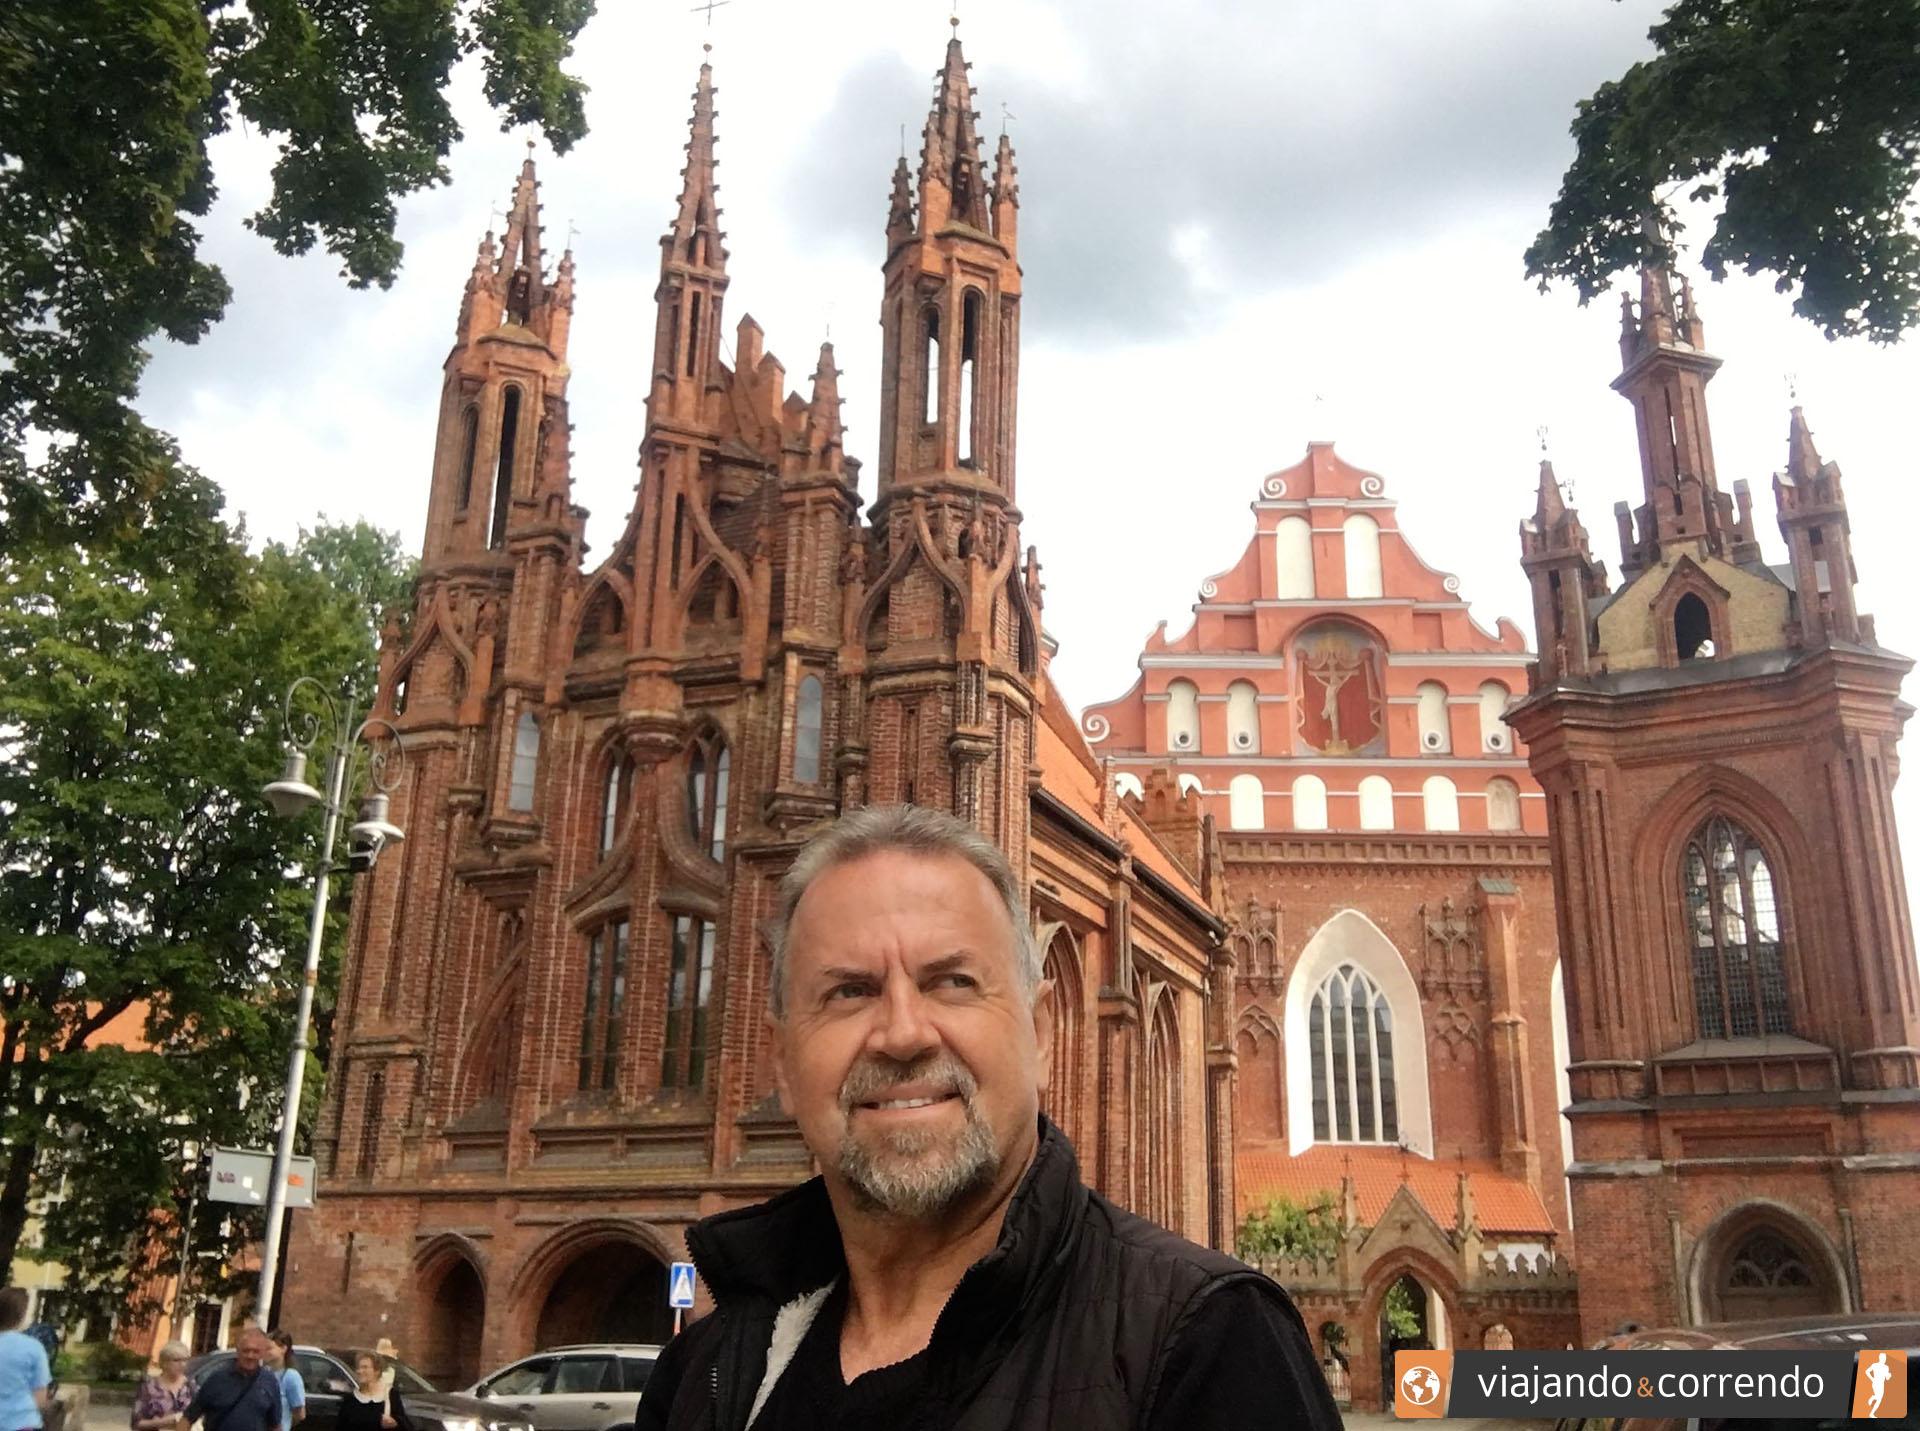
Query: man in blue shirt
{"points": [[24, 1374], [242, 1395], [293, 1387]]}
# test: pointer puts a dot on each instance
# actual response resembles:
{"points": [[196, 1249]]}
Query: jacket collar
{"points": [[790, 1245]]}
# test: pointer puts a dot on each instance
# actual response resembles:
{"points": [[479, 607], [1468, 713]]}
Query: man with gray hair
{"points": [[948, 1268]]}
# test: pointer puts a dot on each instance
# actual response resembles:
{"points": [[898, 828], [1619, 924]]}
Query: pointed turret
{"points": [[1006, 194], [1813, 519], [520, 265], [900, 209], [693, 277], [1550, 503], [1565, 579], [952, 186], [824, 431]]}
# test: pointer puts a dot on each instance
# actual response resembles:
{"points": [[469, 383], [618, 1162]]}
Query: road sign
{"points": [[243, 1175], [680, 1285]]}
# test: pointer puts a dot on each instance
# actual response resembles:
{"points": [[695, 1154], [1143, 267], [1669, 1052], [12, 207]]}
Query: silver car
{"points": [[577, 1388]]}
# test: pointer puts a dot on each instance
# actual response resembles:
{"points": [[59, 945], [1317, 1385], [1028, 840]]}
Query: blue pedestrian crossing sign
{"points": [[680, 1285]]}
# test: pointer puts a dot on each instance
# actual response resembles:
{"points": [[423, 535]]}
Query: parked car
{"points": [[328, 1376], [1847, 1331], [575, 1388]]}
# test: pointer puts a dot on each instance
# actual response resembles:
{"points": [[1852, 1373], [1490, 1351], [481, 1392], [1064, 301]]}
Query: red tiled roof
{"points": [[1502, 1203]]}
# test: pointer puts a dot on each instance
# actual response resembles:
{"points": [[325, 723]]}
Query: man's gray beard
{"points": [[900, 1173]]}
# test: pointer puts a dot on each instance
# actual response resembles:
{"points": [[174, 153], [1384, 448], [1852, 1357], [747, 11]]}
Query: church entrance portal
{"points": [[610, 1292], [449, 1354], [1766, 1271], [1403, 1327]]}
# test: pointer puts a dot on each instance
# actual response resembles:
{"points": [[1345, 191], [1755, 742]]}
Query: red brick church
{"points": [[1508, 962]]}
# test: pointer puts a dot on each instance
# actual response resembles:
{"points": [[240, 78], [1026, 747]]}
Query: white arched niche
{"points": [[1246, 803], [1183, 715], [1127, 783], [1362, 541], [1351, 938], [1293, 559], [1309, 802]]}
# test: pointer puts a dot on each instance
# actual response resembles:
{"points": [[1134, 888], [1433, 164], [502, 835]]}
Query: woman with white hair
{"points": [[162, 1400]]}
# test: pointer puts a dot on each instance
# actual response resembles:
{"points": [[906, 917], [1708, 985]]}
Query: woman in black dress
{"points": [[369, 1408]]}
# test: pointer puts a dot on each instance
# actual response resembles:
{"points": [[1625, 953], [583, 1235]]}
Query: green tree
{"points": [[1398, 1311], [1802, 120], [147, 891], [106, 109], [1288, 1229]]}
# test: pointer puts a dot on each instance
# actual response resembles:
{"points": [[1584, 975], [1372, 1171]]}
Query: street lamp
{"points": [[291, 796]]}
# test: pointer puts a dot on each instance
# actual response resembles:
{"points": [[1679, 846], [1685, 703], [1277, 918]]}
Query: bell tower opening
{"points": [[1692, 628]]}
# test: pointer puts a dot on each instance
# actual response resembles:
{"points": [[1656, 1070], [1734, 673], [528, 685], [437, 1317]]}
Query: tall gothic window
{"points": [[469, 444], [526, 762], [806, 731], [689, 986], [1739, 974], [503, 473], [1350, 1047], [708, 766], [600, 1015], [614, 801]]}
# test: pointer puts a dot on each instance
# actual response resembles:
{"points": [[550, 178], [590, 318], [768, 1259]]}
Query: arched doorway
{"points": [[1766, 1269], [456, 1313], [1404, 1326], [611, 1291]]}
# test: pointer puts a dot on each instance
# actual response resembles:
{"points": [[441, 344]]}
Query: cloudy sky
{"points": [[1244, 225]]}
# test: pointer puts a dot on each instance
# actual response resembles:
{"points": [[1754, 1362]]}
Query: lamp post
{"points": [[291, 796]]}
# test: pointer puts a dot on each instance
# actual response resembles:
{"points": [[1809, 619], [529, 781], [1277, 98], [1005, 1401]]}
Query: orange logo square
{"points": [[1421, 1380], [1880, 1385]]}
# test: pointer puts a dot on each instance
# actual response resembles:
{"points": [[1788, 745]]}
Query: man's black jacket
{"points": [[1066, 1323]]}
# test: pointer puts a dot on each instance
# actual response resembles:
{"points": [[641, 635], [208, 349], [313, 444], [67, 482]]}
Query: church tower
{"points": [[942, 649], [1717, 742]]}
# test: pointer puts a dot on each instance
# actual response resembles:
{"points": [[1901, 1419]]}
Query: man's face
{"points": [[249, 1351], [910, 1054]]}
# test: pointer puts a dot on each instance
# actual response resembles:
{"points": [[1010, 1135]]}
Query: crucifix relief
{"points": [[1338, 693]]}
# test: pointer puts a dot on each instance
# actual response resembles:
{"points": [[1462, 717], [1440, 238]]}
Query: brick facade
{"points": [[1716, 739], [550, 1055]]}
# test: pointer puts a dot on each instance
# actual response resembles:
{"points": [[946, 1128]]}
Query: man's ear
{"points": [[1043, 1022], [777, 1044]]}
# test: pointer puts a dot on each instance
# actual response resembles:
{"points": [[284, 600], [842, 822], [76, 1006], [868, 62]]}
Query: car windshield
{"points": [[404, 1376]]}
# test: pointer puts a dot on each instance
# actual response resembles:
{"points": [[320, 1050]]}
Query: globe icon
{"points": [[1420, 1385]]}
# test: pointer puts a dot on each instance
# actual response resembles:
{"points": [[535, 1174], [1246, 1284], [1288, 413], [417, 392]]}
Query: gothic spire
{"points": [[824, 430], [950, 155], [900, 211], [1006, 192], [695, 236], [1803, 458], [520, 262], [1550, 505]]}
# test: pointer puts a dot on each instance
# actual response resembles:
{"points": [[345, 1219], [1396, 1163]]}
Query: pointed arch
{"points": [[1259, 1089], [1061, 966], [1351, 940], [1721, 1290], [603, 617], [487, 1056], [1164, 1122]]}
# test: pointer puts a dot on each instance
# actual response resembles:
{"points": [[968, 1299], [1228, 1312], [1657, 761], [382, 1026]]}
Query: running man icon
{"points": [[1879, 1374]]}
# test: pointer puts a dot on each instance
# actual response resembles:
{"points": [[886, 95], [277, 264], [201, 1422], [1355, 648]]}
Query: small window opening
{"points": [[1692, 628], [693, 333], [503, 475], [469, 447], [930, 372], [969, 376]]}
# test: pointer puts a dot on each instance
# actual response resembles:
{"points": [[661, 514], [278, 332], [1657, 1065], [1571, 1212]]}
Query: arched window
{"points": [[1183, 716], [1739, 970], [1441, 803], [1376, 803], [526, 762], [930, 368], [1350, 1049], [806, 731], [604, 1007], [1494, 734], [1162, 1094], [683, 1060], [469, 446], [1243, 718], [1692, 628], [1503, 804], [1293, 559], [708, 768], [503, 474], [1436, 733], [614, 800], [1127, 783], [1309, 802], [965, 443], [693, 334], [1362, 535], [1246, 803]]}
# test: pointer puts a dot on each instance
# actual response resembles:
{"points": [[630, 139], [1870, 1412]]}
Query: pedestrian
{"points": [[25, 1376], [369, 1407], [388, 1354], [162, 1399], [949, 1268], [293, 1387], [241, 1395]]}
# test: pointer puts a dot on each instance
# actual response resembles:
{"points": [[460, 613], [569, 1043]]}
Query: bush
{"points": [[1284, 1228], [98, 1361]]}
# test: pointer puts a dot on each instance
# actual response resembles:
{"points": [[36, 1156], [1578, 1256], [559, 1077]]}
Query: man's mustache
{"points": [[873, 1078]]}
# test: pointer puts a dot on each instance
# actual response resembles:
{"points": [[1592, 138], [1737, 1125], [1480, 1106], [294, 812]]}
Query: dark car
{"points": [[328, 1376], [1847, 1331]]}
